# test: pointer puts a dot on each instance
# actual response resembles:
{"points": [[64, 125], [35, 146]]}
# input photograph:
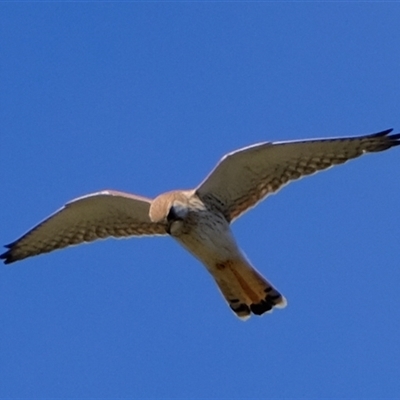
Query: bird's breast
{"points": [[207, 236]]}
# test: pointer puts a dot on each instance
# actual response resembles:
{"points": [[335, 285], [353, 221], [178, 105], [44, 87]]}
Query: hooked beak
{"points": [[171, 218], [172, 215]]}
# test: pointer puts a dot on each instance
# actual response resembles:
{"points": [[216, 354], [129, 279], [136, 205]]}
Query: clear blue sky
{"points": [[146, 97]]}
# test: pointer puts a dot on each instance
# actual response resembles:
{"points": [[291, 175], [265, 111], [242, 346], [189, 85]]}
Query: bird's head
{"points": [[175, 218], [172, 209]]}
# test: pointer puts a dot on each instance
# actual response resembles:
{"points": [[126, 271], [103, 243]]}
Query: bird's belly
{"points": [[209, 241]]}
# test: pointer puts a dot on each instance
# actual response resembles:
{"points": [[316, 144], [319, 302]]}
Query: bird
{"points": [[200, 219]]}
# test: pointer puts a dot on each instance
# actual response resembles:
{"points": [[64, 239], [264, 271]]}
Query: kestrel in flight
{"points": [[199, 219]]}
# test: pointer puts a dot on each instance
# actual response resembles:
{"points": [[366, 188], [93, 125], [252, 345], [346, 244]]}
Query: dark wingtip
{"points": [[7, 256], [383, 140], [382, 133], [5, 259]]}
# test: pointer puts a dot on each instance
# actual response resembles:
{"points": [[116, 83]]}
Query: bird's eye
{"points": [[172, 215]]}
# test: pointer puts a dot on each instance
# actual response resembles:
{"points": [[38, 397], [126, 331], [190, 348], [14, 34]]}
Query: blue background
{"points": [[146, 97]]}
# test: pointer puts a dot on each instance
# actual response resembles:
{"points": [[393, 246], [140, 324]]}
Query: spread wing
{"points": [[245, 177], [85, 219]]}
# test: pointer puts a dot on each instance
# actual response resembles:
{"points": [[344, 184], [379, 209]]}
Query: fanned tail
{"points": [[245, 289]]}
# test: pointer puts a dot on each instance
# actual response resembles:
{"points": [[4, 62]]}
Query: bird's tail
{"points": [[245, 289]]}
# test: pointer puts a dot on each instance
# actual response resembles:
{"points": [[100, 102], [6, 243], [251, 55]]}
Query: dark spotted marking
{"points": [[220, 266], [261, 307], [241, 309], [274, 297]]}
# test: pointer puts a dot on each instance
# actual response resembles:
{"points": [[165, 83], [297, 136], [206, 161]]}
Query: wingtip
{"points": [[383, 140], [6, 257], [382, 133], [396, 137]]}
